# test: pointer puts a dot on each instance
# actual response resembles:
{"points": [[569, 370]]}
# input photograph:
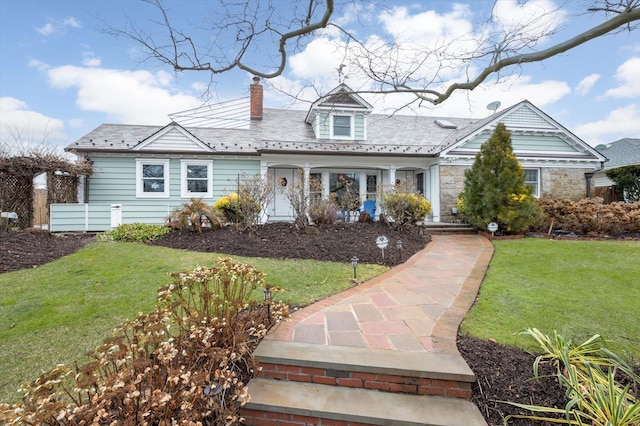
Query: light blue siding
{"points": [[531, 143], [80, 217], [114, 182], [358, 127], [97, 217], [323, 125]]}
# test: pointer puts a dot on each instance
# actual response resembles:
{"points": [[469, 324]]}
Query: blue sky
{"points": [[61, 75]]}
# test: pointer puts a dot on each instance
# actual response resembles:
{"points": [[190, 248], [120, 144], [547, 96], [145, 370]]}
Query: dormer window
{"points": [[342, 126]]}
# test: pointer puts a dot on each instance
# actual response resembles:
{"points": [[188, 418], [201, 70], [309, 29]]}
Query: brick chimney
{"points": [[256, 99]]}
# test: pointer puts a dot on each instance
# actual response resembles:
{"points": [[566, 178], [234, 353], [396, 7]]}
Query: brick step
{"points": [[418, 373], [278, 403]]}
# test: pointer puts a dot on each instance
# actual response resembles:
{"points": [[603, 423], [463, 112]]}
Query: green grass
{"points": [[579, 288], [59, 311]]}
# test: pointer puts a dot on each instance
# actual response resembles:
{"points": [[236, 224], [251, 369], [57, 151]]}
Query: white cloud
{"points": [[70, 21], [319, 59], [134, 97], [623, 122], [39, 65], [58, 25], [508, 91], [20, 126], [587, 83], [89, 59], [628, 81], [528, 21], [427, 27], [46, 29]]}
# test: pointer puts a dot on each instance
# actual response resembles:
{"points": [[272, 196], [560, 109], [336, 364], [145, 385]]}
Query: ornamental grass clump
{"points": [[187, 363], [591, 375], [196, 213]]}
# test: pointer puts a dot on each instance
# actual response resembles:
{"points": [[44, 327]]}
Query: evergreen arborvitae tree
{"points": [[494, 189]]}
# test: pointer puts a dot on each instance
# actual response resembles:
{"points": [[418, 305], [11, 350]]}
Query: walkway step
{"points": [[286, 403], [421, 373]]}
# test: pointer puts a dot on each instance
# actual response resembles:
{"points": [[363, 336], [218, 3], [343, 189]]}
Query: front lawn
{"points": [[579, 288], [56, 312]]}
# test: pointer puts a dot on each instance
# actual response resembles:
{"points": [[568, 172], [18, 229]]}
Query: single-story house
{"points": [[620, 153], [141, 173]]}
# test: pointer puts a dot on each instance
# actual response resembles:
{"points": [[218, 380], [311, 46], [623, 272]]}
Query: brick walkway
{"points": [[414, 307]]}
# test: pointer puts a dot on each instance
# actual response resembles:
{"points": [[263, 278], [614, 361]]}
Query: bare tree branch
{"points": [[389, 66]]}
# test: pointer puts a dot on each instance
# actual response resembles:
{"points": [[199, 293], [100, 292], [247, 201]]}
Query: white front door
{"points": [[282, 181]]}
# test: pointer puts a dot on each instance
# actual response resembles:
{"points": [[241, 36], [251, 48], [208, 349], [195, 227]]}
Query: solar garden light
{"points": [[421, 232], [354, 265], [267, 298], [399, 247]]}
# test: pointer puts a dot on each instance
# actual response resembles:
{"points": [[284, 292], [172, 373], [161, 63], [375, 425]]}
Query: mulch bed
{"points": [[503, 373], [335, 243]]}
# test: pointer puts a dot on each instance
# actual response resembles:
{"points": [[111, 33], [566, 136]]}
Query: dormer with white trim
{"points": [[340, 115]]}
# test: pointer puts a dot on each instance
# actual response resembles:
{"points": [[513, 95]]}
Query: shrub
{"points": [[135, 233], [590, 216], [195, 213], [306, 202], [494, 189], [147, 373], [627, 181], [403, 205], [245, 207]]}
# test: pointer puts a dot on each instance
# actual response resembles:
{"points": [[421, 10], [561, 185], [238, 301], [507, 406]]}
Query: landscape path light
{"points": [[399, 247], [354, 265], [267, 298]]}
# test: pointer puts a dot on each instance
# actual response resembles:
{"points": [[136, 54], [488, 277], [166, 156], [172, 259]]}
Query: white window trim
{"points": [[351, 127], [537, 192], [184, 191], [140, 187]]}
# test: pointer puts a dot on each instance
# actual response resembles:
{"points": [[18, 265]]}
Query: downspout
{"points": [[589, 175]]}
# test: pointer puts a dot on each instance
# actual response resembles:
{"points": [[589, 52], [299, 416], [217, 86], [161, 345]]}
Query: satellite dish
{"points": [[493, 106]]}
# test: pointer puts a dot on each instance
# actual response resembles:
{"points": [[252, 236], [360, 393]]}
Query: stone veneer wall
{"points": [[451, 185], [561, 183], [569, 184]]}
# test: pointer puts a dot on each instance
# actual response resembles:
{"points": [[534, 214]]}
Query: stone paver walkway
{"points": [[414, 307]]}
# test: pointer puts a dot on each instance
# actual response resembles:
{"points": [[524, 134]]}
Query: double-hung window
{"points": [[342, 126], [532, 178], [196, 177], [152, 178]]}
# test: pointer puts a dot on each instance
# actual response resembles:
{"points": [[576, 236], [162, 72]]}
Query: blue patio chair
{"points": [[369, 206]]}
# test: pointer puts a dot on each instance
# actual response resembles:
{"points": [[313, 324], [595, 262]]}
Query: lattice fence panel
{"points": [[17, 196], [62, 188]]}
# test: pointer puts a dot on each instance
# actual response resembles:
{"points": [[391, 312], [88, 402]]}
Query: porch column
{"points": [[264, 169], [307, 172], [363, 187], [435, 191], [264, 174], [392, 175], [325, 185]]}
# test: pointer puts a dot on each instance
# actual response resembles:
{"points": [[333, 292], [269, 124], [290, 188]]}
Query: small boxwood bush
{"points": [[135, 233]]}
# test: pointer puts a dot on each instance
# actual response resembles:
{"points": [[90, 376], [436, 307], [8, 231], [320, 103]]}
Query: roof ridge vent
{"points": [[445, 124]]}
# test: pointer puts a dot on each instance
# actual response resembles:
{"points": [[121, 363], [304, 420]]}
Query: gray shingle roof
{"points": [[286, 131], [623, 152]]}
